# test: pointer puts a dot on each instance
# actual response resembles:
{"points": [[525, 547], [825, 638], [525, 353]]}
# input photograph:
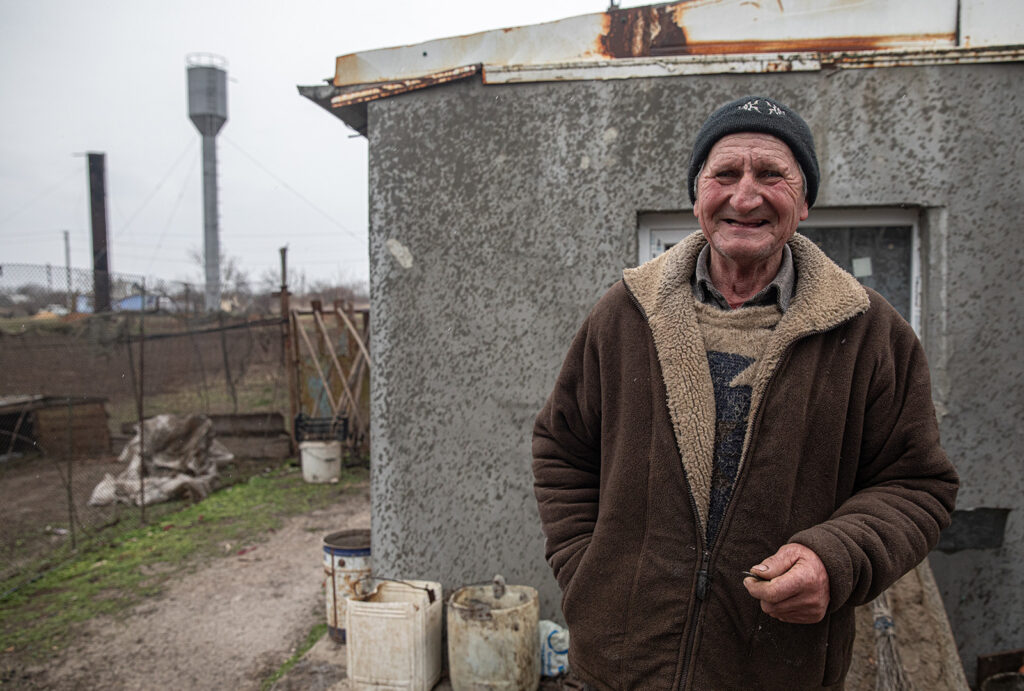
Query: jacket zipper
{"points": [[704, 573], [703, 586]]}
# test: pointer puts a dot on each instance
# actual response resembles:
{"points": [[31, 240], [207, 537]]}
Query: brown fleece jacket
{"points": [[841, 454]]}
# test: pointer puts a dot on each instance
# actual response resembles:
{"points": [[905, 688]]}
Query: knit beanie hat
{"points": [[757, 114]]}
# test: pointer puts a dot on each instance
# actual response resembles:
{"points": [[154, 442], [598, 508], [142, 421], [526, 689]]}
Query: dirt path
{"points": [[234, 621], [229, 624]]}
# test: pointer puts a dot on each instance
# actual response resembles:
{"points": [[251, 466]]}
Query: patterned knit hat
{"points": [[757, 114]]}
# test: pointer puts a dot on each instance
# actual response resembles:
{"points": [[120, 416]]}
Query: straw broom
{"points": [[890, 674]]}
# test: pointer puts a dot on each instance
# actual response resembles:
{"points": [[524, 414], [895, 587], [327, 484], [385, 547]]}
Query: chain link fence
{"points": [[82, 359]]}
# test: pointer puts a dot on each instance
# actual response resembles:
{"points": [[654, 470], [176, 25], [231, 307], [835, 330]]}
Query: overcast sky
{"points": [[109, 76]]}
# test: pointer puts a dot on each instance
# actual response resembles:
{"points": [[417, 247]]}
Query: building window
{"points": [[880, 247]]}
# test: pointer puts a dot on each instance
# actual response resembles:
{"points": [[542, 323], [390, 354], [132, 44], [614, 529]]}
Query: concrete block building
{"points": [[514, 174]]}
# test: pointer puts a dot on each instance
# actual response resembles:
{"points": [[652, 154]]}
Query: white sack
{"points": [[181, 458]]}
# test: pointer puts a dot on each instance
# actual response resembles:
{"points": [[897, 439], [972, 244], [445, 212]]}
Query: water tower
{"points": [[208, 110]]}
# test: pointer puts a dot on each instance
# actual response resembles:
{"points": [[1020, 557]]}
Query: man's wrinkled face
{"points": [[750, 197]]}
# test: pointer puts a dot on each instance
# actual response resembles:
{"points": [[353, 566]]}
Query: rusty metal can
{"points": [[346, 566]]}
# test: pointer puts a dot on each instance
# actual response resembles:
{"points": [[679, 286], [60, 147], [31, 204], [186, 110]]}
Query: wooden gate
{"points": [[331, 365]]}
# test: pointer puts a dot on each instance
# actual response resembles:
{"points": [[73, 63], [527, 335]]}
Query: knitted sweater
{"points": [[734, 340]]}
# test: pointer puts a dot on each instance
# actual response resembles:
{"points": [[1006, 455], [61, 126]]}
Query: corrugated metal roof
{"points": [[19, 401], [28, 402], [704, 27], [689, 37], [750, 63]]}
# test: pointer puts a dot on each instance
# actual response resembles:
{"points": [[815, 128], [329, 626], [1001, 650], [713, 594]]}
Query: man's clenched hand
{"points": [[796, 586]]}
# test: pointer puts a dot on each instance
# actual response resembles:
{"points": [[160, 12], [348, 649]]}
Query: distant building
{"points": [[154, 303]]}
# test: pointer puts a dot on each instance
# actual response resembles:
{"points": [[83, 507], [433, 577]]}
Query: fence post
{"points": [[67, 268], [142, 396], [67, 485], [138, 384], [286, 337], [227, 364]]}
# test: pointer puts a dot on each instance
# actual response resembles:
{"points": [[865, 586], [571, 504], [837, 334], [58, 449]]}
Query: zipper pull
{"points": [[704, 577]]}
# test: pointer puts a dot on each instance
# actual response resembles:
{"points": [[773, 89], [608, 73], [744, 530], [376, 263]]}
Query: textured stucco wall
{"points": [[499, 214]]}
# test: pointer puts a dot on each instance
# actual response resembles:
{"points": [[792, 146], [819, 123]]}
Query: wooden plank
{"points": [[998, 663], [341, 372], [248, 424], [351, 327], [88, 429], [316, 362]]}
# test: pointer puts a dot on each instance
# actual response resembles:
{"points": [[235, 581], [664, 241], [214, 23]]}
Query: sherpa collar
{"points": [[825, 297]]}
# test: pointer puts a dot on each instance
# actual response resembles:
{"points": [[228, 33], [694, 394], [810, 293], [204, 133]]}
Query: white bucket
{"points": [[347, 566], [492, 638], [321, 460], [394, 636]]}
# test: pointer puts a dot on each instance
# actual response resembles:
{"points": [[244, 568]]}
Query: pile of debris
{"points": [[170, 457]]}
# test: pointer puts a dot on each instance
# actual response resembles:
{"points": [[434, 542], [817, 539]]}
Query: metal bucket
{"points": [[346, 564], [492, 638], [1007, 681]]}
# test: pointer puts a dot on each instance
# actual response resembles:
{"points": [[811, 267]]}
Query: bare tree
{"points": [[235, 285]]}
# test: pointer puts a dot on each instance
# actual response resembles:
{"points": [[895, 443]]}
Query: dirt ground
{"points": [[34, 504], [33, 497], [235, 620], [230, 624]]}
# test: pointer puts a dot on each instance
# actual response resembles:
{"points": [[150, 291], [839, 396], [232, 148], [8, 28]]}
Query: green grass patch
{"points": [[315, 635], [112, 578]]}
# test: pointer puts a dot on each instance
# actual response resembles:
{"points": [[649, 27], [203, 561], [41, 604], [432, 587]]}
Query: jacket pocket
{"points": [[594, 605], [790, 655], [567, 576], [841, 633]]}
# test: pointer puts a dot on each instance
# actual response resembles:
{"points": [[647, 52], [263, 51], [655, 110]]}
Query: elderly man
{"points": [[738, 404]]}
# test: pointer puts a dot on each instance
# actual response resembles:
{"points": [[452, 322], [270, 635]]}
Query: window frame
{"points": [[655, 229]]}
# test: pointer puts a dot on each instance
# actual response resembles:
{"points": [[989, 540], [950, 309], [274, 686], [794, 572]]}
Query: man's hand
{"points": [[795, 589]]}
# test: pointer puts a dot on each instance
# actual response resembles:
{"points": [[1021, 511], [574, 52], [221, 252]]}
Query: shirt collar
{"points": [[778, 292]]}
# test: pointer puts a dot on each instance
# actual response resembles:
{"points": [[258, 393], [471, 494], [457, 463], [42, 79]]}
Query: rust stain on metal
{"points": [[373, 92], [473, 609], [841, 44], [641, 32], [661, 30], [911, 58]]}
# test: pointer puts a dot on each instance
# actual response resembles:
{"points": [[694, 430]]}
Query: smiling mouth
{"points": [[746, 224]]}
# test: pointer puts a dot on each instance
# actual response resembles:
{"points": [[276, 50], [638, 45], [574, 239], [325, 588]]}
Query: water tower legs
{"points": [[211, 239]]}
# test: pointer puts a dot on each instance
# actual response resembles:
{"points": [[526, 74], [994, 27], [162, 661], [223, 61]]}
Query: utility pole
{"points": [[67, 267]]}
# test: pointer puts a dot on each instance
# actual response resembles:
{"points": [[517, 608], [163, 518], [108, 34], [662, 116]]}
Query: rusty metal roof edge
{"points": [[663, 66], [373, 92], [953, 55], [682, 65], [340, 100]]}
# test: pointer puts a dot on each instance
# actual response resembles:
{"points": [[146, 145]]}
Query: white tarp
{"points": [[181, 459]]}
